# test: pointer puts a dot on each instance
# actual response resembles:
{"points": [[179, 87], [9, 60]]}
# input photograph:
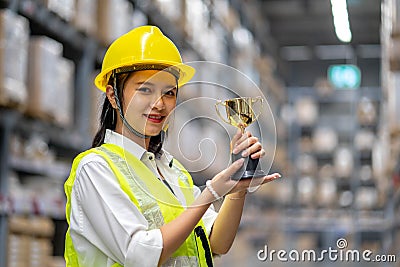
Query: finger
{"points": [[244, 137], [235, 139], [271, 177], [245, 144], [252, 149], [239, 141], [257, 183], [252, 185], [234, 167], [259, 154]]}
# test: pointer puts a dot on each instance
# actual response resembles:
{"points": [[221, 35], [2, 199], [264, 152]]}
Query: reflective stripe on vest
{"points": [[153, 199]]}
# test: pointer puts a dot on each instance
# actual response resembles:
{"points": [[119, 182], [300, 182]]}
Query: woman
{"points": [[129, 203]]}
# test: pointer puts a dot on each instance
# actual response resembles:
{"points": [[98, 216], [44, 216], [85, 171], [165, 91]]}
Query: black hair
{"points": [[108, 116]]}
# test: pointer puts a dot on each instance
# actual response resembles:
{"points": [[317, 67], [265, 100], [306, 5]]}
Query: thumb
{"points": [[234, 167], [222, 182]]}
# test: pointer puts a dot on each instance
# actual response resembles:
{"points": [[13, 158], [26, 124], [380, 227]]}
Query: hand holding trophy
{"points": [[240, 113]]}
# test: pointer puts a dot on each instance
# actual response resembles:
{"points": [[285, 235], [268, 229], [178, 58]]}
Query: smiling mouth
{"points": [[154, 118]]}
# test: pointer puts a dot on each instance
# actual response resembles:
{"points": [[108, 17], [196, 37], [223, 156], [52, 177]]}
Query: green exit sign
{"points": [[344, 76]]}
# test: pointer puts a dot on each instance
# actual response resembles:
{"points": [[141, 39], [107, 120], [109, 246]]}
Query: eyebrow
{"points": [[152, 84]]}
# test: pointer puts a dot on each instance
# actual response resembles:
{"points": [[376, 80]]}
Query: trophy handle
{"points": [[254, 100], [219, 102]]}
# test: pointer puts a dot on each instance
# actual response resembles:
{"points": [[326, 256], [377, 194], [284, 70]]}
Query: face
{"points": [[149, 97]]}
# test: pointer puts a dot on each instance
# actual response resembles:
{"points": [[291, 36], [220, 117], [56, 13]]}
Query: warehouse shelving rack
{"points": [[332, 223], [7, 121], [87, 53], [390, 69]]}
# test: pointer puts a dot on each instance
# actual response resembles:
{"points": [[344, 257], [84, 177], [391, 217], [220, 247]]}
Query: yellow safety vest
{"points": [[153, 199]]}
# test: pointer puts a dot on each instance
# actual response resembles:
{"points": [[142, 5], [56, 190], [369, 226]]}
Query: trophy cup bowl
{"points": [[240, 113]]}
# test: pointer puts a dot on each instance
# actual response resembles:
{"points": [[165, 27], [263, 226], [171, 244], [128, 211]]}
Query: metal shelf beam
{"points": [[7, 121]]}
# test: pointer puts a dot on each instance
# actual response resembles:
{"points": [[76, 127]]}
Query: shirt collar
{"points": [[155, 147], [115, 138]]}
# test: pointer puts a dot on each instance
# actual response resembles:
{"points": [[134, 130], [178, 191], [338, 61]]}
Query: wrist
{"points": [[211, 189], [237, 195]]}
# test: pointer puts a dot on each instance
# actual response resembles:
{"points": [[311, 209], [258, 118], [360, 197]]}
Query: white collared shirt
{"points": [[105, 226]]}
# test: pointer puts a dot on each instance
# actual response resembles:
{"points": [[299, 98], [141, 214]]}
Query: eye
{"points": [[171, 92], [144, 89]]}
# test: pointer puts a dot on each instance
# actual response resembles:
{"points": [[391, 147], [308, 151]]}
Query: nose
{"points": [[159, 103]]}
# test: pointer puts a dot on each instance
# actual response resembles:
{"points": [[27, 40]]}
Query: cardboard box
{"points": [[85, 16], [114, 18], [18, 250], [64, 8], [31, 245], [56, 261], [63, 103], [14, 36], [44, 57]]}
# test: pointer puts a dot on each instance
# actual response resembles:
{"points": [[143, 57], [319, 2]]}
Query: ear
{"points": [[111, 96]]}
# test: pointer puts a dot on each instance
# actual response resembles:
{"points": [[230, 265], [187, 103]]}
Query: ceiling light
{"points": [[341, 20]]}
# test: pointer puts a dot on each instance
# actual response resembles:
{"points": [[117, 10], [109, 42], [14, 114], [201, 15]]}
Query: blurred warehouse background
{"points": [[330, 70]]}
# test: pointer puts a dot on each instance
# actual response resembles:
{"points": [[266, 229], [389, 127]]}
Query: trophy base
{"points": [[253, 174], [249, 174], [250, 169]]}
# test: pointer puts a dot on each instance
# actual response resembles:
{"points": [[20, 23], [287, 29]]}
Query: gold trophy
{"points": [[240, 113]]}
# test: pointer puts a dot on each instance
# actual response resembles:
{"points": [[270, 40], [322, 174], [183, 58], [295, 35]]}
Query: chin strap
{"points": [[121, 115]]}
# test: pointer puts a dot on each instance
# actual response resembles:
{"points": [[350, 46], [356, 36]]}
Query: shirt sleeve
{"points": [[209, 216], [103, 214]]}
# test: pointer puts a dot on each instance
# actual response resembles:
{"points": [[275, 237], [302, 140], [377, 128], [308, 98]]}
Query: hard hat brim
{"points": [[186, 72]]}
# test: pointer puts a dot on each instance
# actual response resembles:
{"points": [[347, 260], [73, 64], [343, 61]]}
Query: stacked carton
{"points": [[63, 103], [64, 8], [50, 81], [114, 18], [30, 241], [85, 16], [14, 36]]}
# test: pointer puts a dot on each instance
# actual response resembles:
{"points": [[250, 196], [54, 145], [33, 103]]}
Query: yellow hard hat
{"points": [[145, 47]]}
